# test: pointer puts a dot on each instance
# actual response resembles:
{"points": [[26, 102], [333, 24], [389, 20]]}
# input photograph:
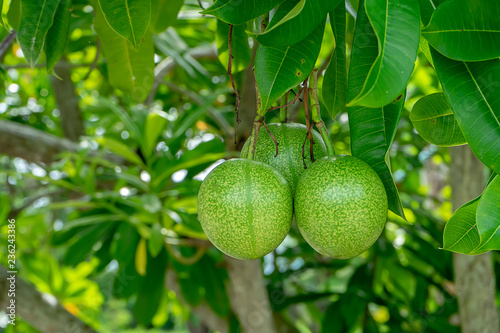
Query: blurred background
{"points": [[104, 191]]}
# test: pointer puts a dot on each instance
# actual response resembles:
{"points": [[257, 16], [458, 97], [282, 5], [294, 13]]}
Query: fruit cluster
{"points": [[246, 206]]}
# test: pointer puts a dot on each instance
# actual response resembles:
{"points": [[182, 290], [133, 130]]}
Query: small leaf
{"points": [[36, 20], [285, 29], [488, 216], [128, 70], [466, 30], [396, 24], [141, 257], [460, 233], [121, 149], [472, 90], [433, 119], [334, 89], [372, 129], [156, 241], [57, 36], [278, 70], [128, 18], [238, 11], [239, 46], [164, 14]]}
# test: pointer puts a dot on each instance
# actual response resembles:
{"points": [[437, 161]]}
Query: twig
{"points": [[201, 6], [294, 94], [6, 43], [94, 64], [27, 66], [272, 137], [297, 96], [229, 72]]}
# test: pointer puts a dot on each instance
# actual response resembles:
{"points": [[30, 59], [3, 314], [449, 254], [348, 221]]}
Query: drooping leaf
{"points": [[396, 24], [128, 70], [57, 36], [460, 233], [278, 70], [36, 20], [141, 257], [473, 93], [334, 89], [124, 243], [238, 11], [466, 30], [155, 125], [283, 31], [433, 119], [155, 242], [149, 296], [120, 148], [239, 46], [163, 14], [372, 129], [128, 18], [488, 216]]}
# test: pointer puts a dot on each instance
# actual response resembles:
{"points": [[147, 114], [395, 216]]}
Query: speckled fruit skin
{"points": [[245, 208], [340, 206], [289, 160]]}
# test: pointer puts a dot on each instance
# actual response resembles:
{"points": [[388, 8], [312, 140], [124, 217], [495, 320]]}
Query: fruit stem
{"points": [[252, 147], [316, 113]]}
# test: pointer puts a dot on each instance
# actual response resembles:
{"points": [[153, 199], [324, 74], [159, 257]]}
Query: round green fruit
{"points": [[290, 138], [245, 208], [340, 206]]}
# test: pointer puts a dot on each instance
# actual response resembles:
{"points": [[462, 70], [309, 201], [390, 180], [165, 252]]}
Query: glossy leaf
{"points": [[128, 70], [238, 11], [128, 18], [57, 36], [396, 24], [372, 129], [283, 31], [433, 119], [149, 296], [239, 46], [278, 70], [488, 216], [466, 30], [334, 89], [36, 20], [473, 92], [460, 233], [164, 14]]}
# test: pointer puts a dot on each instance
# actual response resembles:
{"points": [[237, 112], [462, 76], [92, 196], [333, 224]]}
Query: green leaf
{"points": [[372, 129], [14, 14], [128, 18], [128, 70], [1, 16], [460, 233], [90, 220], [427, 7], [155, 124], [149, 296], [239, 46], [397, 26], [121, 149], [127, 281], [466, 30], [433, 119], [283, 30], [215, 290], [156, 241], [473, 91], [488, 216], [334, 89], [278, 70], [190, 278], [124, 243], [164, 14], [36, 20], [57, 36], [238, 11]]}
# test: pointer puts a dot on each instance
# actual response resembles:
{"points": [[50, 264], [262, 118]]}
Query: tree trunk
{"points": [[474, 275]]}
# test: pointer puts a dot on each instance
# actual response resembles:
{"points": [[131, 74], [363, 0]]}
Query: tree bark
{"points": [[474, 275], [67, 101], [48, 317]]}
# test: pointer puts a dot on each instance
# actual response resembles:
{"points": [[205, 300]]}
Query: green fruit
{"points": [[245, 208], [289, 160], [340, 206]]}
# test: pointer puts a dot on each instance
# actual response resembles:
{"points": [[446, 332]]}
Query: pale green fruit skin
{"points": [[289, 160], [340, 206], [245, 208]]}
